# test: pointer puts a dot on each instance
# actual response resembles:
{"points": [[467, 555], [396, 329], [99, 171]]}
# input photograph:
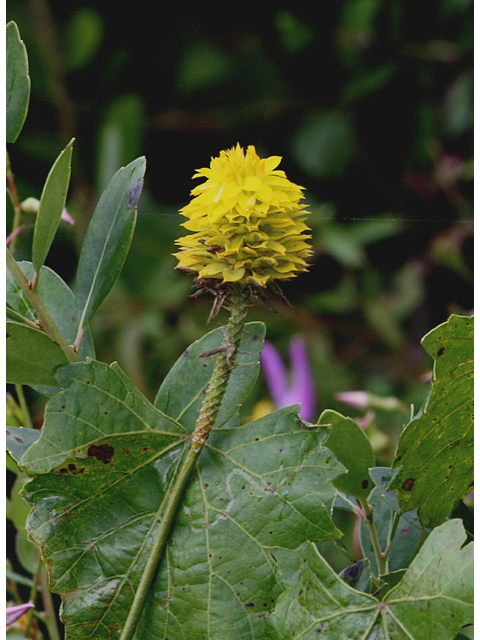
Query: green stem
{"points": [[44, 318], [27, 421], [223, 367], [380, 557], [50, 619], [33, 592]]}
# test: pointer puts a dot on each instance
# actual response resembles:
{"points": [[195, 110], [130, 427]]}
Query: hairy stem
{"points": [[223, 367], [45, 320]]}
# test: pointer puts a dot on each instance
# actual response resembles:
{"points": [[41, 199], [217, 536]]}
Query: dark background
{"points": [[369, 102]]}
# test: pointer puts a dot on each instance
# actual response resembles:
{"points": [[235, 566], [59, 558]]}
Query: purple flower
{"points": [[286, 390], [14, 613]]}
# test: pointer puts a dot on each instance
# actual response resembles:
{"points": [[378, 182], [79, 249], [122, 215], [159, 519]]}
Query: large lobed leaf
{"points": [[181, 393], [103, 465], [433, 600], [435, 451]]}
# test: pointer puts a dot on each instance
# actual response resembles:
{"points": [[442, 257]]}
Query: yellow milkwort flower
{"points": [[247, 220]]}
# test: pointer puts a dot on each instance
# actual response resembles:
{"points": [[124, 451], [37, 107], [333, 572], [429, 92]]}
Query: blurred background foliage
{"points": [[370, 103]]}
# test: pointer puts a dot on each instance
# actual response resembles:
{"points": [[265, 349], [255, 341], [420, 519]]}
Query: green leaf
{"points": [[18, 82], [52, 203], [353, 449], [435, 451], [32, 356], [438, 585], [19, 439], [83, 37], [181, 393], [432, 601], [325, 143], [60, 303], [19, 511], [121, 136], [104, 462], [108, 239], [358, 575], [402, 533]]}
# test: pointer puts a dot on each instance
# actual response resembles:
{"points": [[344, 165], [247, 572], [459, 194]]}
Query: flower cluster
{"points": [[247, 221]]}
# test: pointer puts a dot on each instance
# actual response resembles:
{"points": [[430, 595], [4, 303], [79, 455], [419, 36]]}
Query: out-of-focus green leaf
{"points": [[458, 112], [435, 451], [108, 239], [83, 37], [18, 82], [32, 356], [294, 33], [121, 136], [51, 206], [202, 65], [353, 449], [367, 82], [360, 15], [19, 511], [104, 462], [181, 393], [434, 598], [325, 144]]}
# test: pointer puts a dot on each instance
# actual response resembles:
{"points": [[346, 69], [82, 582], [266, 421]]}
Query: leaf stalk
{"points": [[380, 556]]}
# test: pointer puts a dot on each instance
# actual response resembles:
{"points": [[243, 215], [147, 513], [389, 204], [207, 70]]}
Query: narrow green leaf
{"points": [[353, 449], [108, 239], [435, 451], [32, 356], [432, 601], [18, 82], [181, 393], [104, 463], [52, 203]]}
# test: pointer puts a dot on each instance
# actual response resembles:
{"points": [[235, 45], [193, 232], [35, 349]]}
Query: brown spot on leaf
{"points": [[103, 452], [440, 351], [364, 484], [408, 484]]}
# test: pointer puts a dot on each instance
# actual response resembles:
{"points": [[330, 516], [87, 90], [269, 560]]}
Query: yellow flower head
{"points": [[247, 221]]}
